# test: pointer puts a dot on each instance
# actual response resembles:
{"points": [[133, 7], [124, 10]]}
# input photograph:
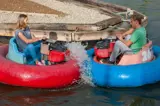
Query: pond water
{"points": [[84, 94]]}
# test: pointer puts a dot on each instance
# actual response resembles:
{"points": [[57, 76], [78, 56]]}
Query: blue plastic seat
{"points": [[14, 54]]}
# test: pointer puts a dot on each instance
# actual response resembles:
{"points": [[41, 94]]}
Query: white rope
{"points": [[128, 13]]}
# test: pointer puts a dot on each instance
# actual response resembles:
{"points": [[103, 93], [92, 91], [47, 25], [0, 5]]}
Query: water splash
{"points": [[78, 52]]}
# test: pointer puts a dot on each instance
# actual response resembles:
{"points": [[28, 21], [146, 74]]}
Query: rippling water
{"points": [[86, 95]]}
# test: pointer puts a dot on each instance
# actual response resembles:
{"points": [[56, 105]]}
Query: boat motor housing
{"points": [[104, 48]]}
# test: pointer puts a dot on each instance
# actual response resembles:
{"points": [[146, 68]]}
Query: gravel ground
{"points": [[26, 6], [73, 13]]}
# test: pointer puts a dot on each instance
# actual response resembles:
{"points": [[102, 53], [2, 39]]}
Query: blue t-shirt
{"points": [[20, 43]]}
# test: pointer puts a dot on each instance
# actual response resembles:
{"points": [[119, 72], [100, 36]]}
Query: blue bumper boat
{"points": [[133, 75]]}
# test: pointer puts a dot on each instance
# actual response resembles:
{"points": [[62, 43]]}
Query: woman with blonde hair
{"points": [[26, 43]]}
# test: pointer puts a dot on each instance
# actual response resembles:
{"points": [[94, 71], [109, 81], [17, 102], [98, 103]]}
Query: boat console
{"points": [[54, 52]]}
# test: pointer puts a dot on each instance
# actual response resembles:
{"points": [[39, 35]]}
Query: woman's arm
{"points": [[22, 37], [34, 37]]}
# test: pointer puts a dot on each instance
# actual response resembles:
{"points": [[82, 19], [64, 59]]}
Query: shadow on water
{"points": [[147, 95], [22, 96]]}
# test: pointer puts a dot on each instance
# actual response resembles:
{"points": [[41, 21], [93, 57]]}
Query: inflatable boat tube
{"points": [[54, 76], [106, 75]]}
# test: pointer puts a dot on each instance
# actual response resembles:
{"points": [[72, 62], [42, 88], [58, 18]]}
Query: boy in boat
{"points": [[45, 47], [136, 41]]}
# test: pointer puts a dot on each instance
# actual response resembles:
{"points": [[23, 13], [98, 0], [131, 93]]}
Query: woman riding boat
{"points": [[16, 70], [27, 43]]}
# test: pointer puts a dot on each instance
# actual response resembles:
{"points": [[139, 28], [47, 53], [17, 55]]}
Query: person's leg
{"points": [[44, 59], [36, 43], [119, 48], [37, 46], [30, 50]]}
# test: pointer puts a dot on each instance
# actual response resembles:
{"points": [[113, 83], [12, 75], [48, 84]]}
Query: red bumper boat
{"points": [[54, 76]]}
